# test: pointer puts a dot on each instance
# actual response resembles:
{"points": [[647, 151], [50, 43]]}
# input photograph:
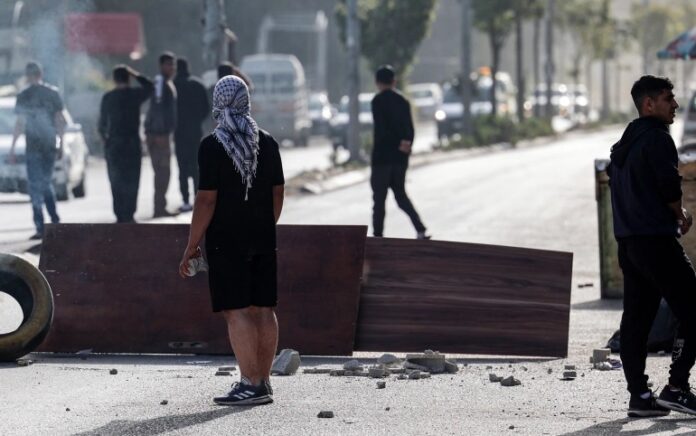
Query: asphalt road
{"points": [[540, 197]]}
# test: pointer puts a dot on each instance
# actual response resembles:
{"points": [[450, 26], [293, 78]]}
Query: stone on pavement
{"points": [[568, 375], [325, 414], [353, 365], [227, 368], [603, 366], [388, 359], [494, 378], [414, 375], [377, 372], [381, 385], [286, 363], [222, 373], [510, 381], [113, 372]]}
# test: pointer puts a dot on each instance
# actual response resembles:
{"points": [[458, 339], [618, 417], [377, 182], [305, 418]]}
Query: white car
{"points": [[426, 97], [339, 123], [69, 172]]}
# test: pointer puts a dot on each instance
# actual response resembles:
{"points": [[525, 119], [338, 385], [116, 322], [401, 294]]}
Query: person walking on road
{"points": [[393, 139], [192, 110], [237, 206], [160, 123], [648, 220], [39, 110], [119, 123]]}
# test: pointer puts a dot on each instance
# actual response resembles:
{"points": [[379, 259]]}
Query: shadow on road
{"points": [[599, 305], [162, 424], [616, 427]]}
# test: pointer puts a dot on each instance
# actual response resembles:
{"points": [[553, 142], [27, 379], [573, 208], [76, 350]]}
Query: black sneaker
{"points": [[642, 408], [243, 394], [680, 400]]}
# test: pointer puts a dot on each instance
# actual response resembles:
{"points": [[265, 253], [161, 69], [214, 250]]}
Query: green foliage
{"points": [[390, 30], [653, 26], [494, 129], [532, 128]]}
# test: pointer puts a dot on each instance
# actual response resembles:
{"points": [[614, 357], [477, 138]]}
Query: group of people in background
{"points": [[179, 107]]}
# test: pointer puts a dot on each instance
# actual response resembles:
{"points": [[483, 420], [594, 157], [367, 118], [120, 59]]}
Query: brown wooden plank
{"points": [[464, 298], [117, 289]]}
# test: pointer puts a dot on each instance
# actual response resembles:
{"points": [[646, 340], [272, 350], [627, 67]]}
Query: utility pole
{"points": [[214, 25], [646, 60], [353, 44], [550, 67], [465, 62], [518, 61]]}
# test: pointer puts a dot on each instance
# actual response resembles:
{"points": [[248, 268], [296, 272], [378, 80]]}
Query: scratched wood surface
{"points": [[117, 289], [464, 298]]}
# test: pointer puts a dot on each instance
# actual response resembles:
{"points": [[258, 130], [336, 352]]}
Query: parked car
{"points": [[561, 100], [339, 123], [689, 136], [426, 97], [449, 114], [320, 112], [70, 171], [279, 99]]}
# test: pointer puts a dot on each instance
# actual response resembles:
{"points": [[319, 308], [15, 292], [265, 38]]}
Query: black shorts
{"points": [[238, 281]]}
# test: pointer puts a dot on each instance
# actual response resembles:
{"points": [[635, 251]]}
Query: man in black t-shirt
{"points": [[39, 110], [238, 203], [119, 123], [393, 138]]}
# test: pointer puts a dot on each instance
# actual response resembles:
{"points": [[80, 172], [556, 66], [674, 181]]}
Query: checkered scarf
{"points": [[236, 130]]}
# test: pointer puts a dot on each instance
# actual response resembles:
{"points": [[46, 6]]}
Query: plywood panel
{"points": [[117, 289], [464, 298]]}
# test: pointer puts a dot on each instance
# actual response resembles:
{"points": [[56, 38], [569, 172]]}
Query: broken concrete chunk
{"points": [[377, 372], [425, 375], [569, 374], [428, 352], [451, 367], [600, 355], [353, 365], [397, 370], [222, 373], [433, 362], [414, 366], [510, 381], [381, 385], [113, 372], [286, 363], [227, 368], [24, 362], [603, 366], [570, 367], [338, 372], [414, 375], [388, 359], [164, 402], [549, 370], [494, 378], [325, 414], [402, 377]]}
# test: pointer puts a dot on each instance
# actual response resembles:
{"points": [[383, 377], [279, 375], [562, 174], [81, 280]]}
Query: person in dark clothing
{"points": [[237, 206], [160, 123], [39, 110], [393, 138], [119, 122], [648, 221], [192, 109]]}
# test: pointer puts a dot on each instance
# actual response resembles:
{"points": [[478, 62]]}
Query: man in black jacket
{"points": [[393, 138], [119, 124], [648, 220], [192, 109]]}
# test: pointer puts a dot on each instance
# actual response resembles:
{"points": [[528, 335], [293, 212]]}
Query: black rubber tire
{"points": [[79, 190], [26, 284]]}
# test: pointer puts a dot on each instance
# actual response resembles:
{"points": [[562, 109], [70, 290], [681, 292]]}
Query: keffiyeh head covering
{"points": [[236, 130]]}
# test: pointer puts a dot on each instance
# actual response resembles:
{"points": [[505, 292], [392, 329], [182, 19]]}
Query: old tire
{"points": [[26, 284]]}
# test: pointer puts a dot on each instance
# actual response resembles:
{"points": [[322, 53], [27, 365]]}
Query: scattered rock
{"points": [[451, 367], [227, 368], [402, 377], [164, 402], [222, 373], [353, 365], [510, 381], [325, 414], [387, 409], [67, 409], [512, 427], [650, 384], [388, 359], [494, 378], [569, 375], [377, 372], [603, 366], [113, 372], [428, 352], [433, 362], [381, 385], [570, 367], [414, 366], [348, 373], [425, 375], [24, 362], [550, 371], [337, 372], [600, 355], [489, 367], [286, 363], [414, 375], [397, 370]]}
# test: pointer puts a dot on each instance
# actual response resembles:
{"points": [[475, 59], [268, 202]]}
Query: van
{"points": [[279, 98]]}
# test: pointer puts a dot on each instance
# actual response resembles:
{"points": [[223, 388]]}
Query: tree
{"points": [[523, 11], [390, 30], [652, 27], [495, 18]]}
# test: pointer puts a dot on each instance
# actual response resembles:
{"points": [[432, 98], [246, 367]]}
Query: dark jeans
{"points": [[385, 176], [656, 267], [160, 154], [123, 159], [40, 186], [186, 146]]}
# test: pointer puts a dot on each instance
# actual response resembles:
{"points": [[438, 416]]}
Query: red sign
{"points": [[105, 33]]}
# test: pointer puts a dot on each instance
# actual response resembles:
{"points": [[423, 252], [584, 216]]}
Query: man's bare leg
{"points": [[268, 340], [243, 333]]}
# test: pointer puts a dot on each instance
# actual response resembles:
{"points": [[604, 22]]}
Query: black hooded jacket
{"points": [[192, 106], [644, 179]]}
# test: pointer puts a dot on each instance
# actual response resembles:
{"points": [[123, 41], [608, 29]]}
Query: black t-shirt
{"points": [[39, 104], [240, 226], [391, 113], [120, 110]]}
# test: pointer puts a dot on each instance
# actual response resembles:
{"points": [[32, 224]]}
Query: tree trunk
{"points": [[495, 52], [606, 104], [536, 55], [520, 72]]}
